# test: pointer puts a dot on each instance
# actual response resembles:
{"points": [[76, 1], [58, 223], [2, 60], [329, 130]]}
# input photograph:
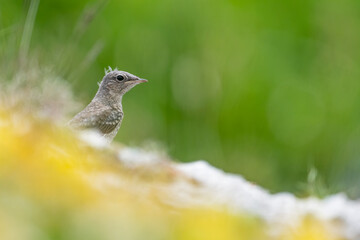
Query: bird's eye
{"points": [[120, 77]]}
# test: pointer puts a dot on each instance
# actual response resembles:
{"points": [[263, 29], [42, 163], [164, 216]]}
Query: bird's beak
{"points": [[140, 80]]}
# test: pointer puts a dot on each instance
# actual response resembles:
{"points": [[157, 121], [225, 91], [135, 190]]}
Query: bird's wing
{"points": [[107, 124], [105, 120]]}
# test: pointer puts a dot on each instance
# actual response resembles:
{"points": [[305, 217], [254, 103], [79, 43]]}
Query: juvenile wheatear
{"points": [[104, 113]]}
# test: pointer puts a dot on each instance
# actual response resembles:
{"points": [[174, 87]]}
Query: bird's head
{"points": [[119, 82]]}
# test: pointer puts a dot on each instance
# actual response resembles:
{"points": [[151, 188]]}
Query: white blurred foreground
{"points": [[200, 184]]}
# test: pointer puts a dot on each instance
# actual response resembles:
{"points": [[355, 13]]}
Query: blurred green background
{"points": [[267, 89]]}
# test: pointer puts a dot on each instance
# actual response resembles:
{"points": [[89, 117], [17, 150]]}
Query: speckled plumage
{"points": [[104, 113]]}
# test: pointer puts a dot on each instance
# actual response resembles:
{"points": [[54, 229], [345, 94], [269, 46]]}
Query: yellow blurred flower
{"points": [[52, 186]]}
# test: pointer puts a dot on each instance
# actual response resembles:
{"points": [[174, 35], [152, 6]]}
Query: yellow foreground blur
{"points": [[52, 186]]}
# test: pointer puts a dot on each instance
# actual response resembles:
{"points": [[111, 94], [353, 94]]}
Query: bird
{"points": [[104, 113]]}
